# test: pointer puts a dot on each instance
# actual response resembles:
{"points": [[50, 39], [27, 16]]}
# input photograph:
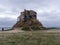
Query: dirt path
{"points": [[12, 31], [18, 30]]}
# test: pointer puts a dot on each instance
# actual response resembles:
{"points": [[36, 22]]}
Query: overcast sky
{"points": [[48, 11]]}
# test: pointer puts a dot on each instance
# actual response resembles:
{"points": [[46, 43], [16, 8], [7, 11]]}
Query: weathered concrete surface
{"points": [[28, 18]]}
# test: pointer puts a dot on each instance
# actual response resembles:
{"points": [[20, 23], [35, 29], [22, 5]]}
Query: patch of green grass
{"points": [[35, 28], [26, 29], [30, 38]]}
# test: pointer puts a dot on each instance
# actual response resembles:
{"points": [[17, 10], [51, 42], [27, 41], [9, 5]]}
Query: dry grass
{"points": [[30, 38]]}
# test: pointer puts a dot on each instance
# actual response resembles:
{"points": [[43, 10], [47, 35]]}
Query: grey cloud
{"points": [[16, 6], [50, 19], [51, 23], [7, 22], [2, 10]]}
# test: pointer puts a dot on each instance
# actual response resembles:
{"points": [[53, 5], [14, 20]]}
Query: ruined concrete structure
{"points": [[27, 18]]}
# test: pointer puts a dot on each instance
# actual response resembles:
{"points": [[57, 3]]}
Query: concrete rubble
{"points": [[28, 18]]}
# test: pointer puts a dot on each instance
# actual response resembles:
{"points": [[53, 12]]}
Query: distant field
{"points": [[30, 38]]}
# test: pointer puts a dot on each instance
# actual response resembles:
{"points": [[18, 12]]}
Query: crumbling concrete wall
{"points": [[28, 18]]}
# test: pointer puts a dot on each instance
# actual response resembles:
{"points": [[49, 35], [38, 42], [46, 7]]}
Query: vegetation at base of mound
{"points": [[26, 29], [34, 28]]}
